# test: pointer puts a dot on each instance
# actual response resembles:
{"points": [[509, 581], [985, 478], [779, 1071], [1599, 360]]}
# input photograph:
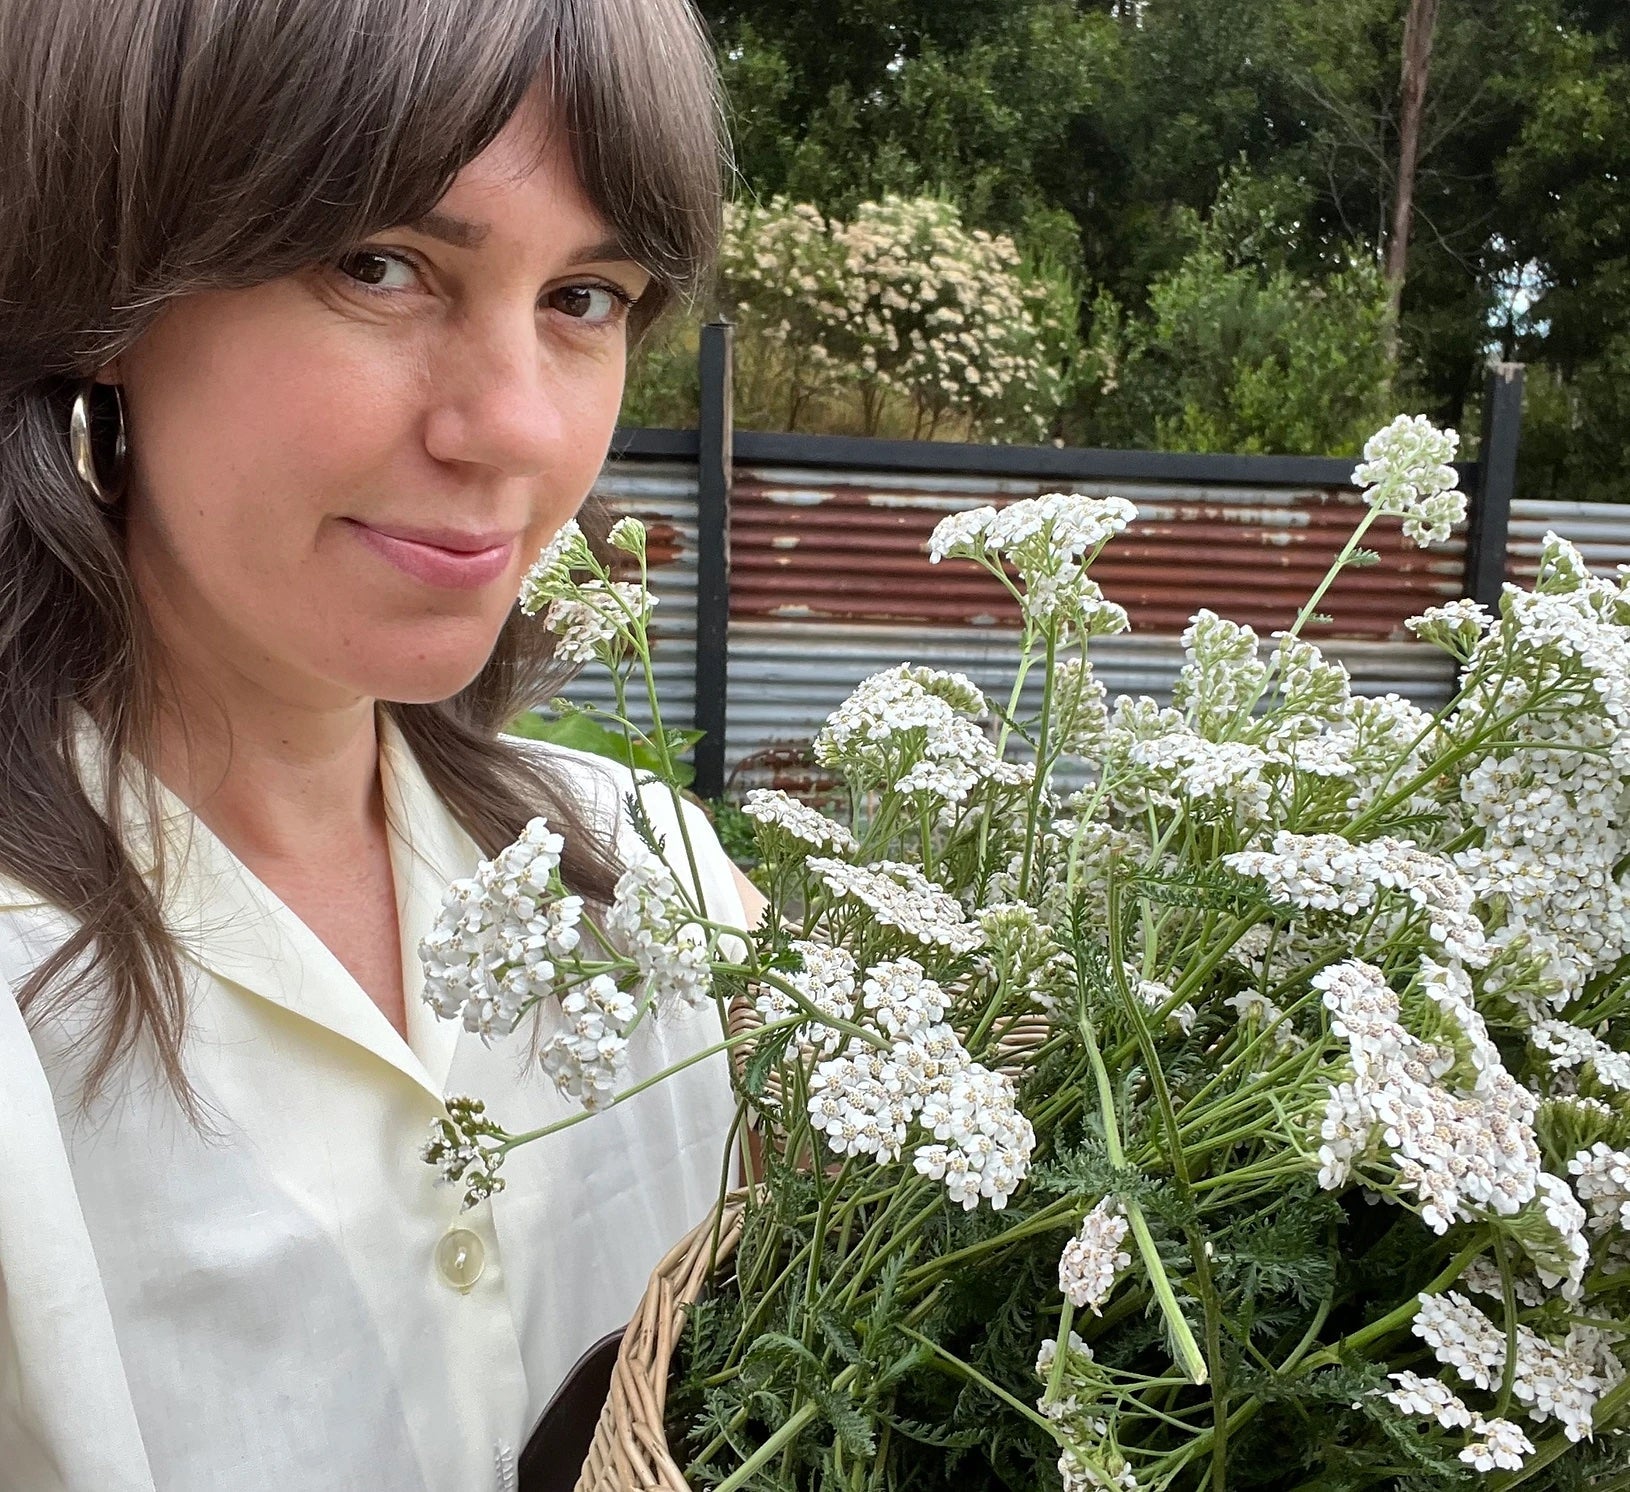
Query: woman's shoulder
{"points": [[604, 789]]}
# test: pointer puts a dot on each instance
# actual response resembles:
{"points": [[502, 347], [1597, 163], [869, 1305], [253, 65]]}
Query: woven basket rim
{"points": [[630, 1446]]}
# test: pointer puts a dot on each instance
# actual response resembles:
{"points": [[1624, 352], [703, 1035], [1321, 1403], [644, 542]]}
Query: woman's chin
{"points": [[415, 679]]}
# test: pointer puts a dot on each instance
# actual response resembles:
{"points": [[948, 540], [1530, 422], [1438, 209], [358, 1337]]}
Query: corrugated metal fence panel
{"points": [[663, 495], [830, 582], [852, 547], [787, 676], [1601, 530]]}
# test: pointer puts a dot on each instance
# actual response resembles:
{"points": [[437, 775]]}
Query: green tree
{"points": [[1237, 351], [1098, 133]]}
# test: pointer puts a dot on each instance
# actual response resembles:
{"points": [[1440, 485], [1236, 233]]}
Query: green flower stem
{"points": [[514, 1142], [766, 1298], [1039, 785], [719, 1441], [1274, 1170], [1227, 1071], [925, 832], [1061, 1354], [1441, 764], [1311, 606], [1176, 1158], [1189, 1356], [1026, 657], [987, 1021], [1306, 614], [1246, 1102], [965, 1370], [1598, 1323], [658, 738], [1311, 1335], [1401, 1316], [1206, 1130], [1056, 1215], [812, 1276], [1508, 1296], [883, 1231], [1467, 683], [1357, 1341], [789, 1432]]}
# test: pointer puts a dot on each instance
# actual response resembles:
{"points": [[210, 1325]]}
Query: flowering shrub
{"points": [[1255, 1115], [901, 303], [1236, 349]]}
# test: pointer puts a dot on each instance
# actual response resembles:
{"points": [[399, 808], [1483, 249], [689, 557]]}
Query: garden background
{"points": [[1181, 225]]}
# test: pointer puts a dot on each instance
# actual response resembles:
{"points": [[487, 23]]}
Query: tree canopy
{"points": [[1217, 178]]}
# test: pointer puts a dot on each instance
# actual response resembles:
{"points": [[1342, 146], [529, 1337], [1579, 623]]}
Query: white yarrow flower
{"points": [[1093, 1259], [1406, 472], [1429, 1398], [1497, 1445], [900, 896], [784, 814]]}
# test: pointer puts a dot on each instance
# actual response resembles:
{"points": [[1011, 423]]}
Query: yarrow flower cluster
{"points": [[1570, 1046], [467, 1149], [1406, 472], [1326, 872], [1544, 804], [1463, 1151], [1094, 1258], [865, 1099], [494, 947], [899, 896], [508, 940], [1603, 1185], [1551, 1381], [594, 618], [1248, 991], [786, 818], [1050, 540], [651, 923], [914, 730]]}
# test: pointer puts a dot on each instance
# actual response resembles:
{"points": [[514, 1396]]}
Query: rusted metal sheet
{"points": [[830, 582], [852, 547], [787, 676], [663, 495], [1601, 530]]}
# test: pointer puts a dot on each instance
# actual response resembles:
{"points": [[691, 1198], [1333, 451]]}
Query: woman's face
{"points": [[338, 478]]}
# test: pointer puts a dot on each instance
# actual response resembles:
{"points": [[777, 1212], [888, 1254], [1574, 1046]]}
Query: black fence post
{"points": [[715, 440], [1490, 516]]}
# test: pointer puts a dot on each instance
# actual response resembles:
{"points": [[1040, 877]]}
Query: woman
{"points": [[313, 322]]}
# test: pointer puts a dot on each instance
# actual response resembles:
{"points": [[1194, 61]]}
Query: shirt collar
{"points": [[230, 923]]}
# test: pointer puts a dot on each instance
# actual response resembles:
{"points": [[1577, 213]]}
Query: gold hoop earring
{"points": [[79, 440]]}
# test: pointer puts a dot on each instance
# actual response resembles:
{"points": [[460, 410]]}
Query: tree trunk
{"points": [[1419, 25]]}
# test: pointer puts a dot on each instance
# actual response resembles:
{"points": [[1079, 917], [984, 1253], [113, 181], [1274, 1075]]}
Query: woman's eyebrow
{"points": [[463, 233]]}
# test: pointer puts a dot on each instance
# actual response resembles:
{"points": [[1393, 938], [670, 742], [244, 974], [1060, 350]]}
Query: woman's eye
{"points": [[595, 305], [370, 269]]}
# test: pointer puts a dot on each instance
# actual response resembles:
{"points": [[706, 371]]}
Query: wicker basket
{"points": [[630, 1448]]}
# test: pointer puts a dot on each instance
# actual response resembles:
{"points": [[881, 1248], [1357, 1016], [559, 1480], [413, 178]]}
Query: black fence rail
{"points": [[812, 507]]}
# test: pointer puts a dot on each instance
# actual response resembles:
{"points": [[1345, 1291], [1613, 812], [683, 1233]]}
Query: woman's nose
{"points": [[497, 399]]}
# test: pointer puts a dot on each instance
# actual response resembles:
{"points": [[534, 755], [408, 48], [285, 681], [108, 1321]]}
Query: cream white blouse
{"points": [[274, 1304]]}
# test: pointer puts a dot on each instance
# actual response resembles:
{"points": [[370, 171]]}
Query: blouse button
{"points": [[460, 1258]]}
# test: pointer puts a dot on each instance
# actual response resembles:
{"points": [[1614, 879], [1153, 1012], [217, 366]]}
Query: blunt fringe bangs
{"points": [[158, 148]]}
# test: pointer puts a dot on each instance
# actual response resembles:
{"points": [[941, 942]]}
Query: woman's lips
{"points": [[451, 564]]}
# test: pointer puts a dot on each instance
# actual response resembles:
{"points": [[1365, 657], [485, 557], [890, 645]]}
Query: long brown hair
{"points": [[155, 148]]}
